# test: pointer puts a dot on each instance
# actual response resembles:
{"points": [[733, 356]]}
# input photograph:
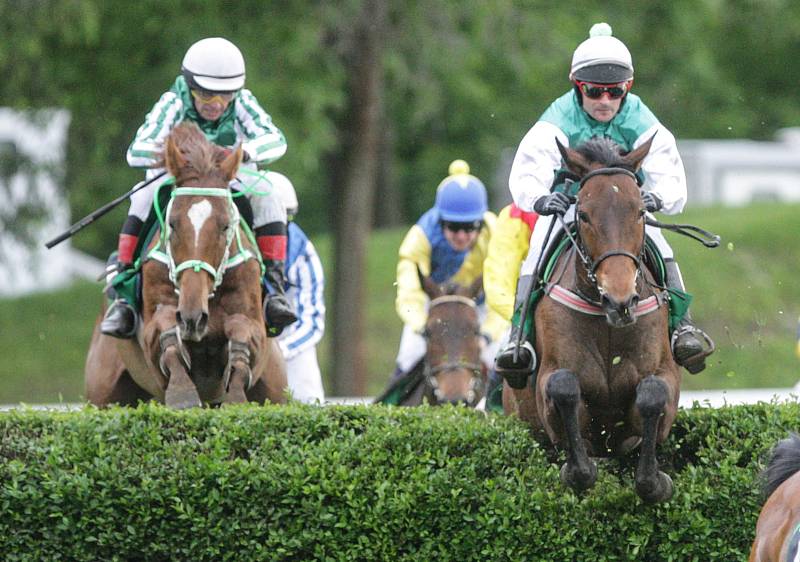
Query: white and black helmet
{"points": [[601, 58], [214, 64]]}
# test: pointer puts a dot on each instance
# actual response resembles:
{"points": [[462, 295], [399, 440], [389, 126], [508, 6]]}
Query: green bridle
{"points": [[227, 262]]}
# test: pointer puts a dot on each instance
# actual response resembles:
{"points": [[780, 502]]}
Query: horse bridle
{"points": [[589, 264], [218, 272], [477, 383]]}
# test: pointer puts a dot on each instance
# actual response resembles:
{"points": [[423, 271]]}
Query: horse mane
{"points": [[605, 151], [784, 462], [202, 157]]}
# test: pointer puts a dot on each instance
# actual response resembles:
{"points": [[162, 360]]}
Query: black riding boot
{"points": [[517, 372], [278, 311], [688, 345], [120, 320]]}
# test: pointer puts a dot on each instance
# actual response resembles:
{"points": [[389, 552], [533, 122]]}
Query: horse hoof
{"points": [[181, 399], [578, 479], [235, 395], [657, 490]]}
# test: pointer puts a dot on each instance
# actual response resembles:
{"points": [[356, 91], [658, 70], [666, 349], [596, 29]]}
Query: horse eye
{"points": [[583, 217]]}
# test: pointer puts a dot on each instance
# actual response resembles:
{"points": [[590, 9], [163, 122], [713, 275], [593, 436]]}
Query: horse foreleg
{"points": [[564, 390], [245, 345], [652, 485]]}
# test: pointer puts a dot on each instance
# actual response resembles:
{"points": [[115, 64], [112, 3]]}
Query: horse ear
{"points": [[475, 288], [230, 165], [430, 286], [173, 157], [574, 160], [634, 157]]}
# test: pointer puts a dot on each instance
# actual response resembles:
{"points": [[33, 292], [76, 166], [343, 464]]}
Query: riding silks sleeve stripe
{"points": [[266, 143], [145, 150], [306, 280], [411, 302]]}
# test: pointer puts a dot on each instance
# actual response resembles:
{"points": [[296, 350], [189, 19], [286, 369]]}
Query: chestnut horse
{"points": [[607, 381], [778, 528], [452, 371], [201, 338]]}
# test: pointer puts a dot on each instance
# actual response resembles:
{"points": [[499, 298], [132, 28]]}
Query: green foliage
{"points": [[362, 483]]}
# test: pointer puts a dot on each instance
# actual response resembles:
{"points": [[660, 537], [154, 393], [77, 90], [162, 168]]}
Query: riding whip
{"points": [[89, 219]]}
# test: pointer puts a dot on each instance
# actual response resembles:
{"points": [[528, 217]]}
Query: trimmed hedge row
{"points": [[362, 483]]}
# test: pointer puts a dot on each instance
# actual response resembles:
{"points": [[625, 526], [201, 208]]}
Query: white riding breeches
{"points": [[264, 199], [304, 377], [413, 347], [543, 223]]}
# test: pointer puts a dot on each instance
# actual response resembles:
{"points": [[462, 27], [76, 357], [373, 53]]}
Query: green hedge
{"points": [[362, 483]]}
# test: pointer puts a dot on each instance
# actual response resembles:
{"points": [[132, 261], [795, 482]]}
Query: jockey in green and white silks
{"points": [[210, 92], [599, 105]]}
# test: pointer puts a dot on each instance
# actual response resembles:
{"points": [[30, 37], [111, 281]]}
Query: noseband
{"points": [[589, 264], [476, 384]]}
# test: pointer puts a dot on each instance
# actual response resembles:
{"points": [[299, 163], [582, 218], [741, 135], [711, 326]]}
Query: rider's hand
{"points": [[555, 203], [652, 202]]}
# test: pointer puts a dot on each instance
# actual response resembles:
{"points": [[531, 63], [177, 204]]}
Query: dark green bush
{"points": [[362, 483]]}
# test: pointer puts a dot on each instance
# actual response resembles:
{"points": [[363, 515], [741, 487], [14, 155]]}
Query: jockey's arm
{"points": [[305, 274], [507, 250], [663, 167], [146, 149], [535, 164], [262, 140], [411, 302]]}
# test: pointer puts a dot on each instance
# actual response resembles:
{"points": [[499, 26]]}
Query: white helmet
{"points": [[601, 58], [284, 190], [214, 64]]}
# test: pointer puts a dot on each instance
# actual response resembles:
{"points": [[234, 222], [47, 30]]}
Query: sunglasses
{"points": [[211, 97], [595, 91], [465, 226]]}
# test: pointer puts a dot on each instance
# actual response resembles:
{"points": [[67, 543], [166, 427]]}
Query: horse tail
{"points": [[784, 462]]}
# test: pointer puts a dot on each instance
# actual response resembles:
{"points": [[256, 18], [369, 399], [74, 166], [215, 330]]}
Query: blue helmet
{"points": [[461, 197]]}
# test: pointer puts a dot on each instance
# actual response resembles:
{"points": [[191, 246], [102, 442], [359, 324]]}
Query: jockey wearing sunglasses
{"points": [[599, 104], [449, 243], [210, 92]]}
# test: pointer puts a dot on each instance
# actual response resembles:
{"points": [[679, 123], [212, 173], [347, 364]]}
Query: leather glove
{"points": [[652, 202], [555, 203]]}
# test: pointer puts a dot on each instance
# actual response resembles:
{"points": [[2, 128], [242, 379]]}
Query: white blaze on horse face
{"points": [[198, 214]]}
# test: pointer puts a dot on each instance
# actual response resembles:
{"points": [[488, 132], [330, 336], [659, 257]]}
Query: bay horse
{"points": [[452, 371], [778, 527], [201, 339], [607, 382]]}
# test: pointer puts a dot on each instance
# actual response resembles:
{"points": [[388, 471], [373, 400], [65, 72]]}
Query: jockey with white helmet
{"points": [[598, 105], [210, 92], [448, 243], [305, 282]]}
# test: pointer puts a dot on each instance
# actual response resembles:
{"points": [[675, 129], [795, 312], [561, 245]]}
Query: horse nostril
{"points": [[202, 322]]}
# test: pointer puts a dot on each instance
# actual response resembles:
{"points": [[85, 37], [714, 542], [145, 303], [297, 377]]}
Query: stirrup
{"points": [[694, 363], [119, 307], [516, 374]]}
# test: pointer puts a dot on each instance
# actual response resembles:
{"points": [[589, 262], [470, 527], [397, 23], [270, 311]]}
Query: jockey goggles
{"points": [[470, 226], [210, 97], [595, 91]]}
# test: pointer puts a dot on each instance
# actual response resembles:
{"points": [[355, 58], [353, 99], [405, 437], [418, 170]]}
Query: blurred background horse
{"points": [[778, 527]]}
